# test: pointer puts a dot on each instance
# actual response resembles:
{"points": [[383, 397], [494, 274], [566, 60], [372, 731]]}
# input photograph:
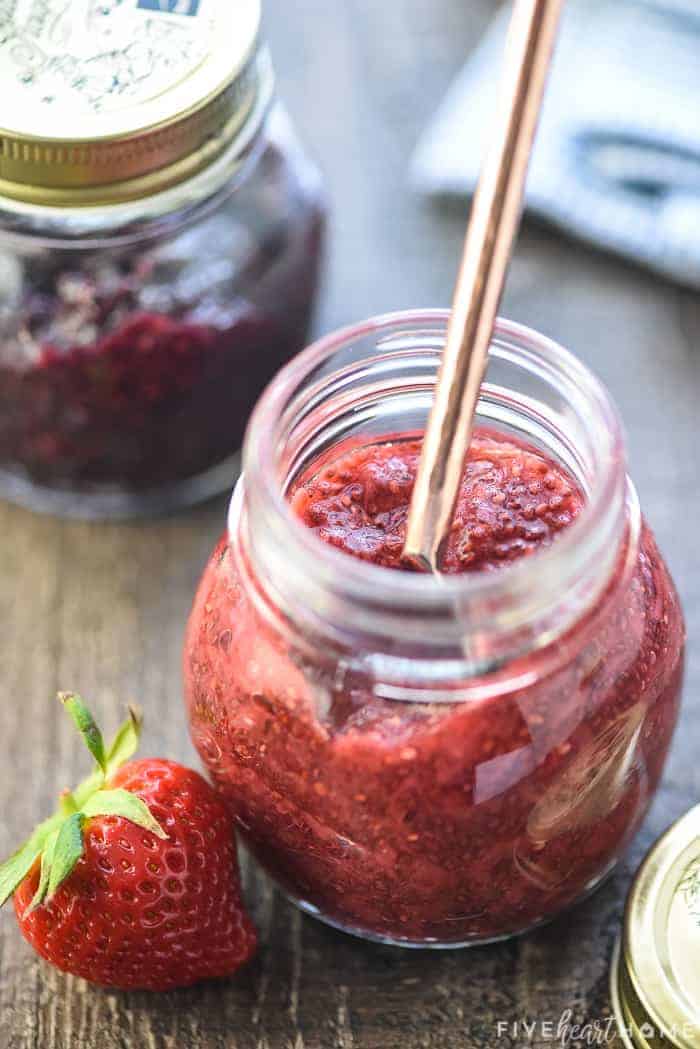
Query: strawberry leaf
{"points": [[126, 741], [125, 804], [58, 841], [67, 850], [66, 804], [46, 861], [15, 870], [86, 725], [87, 788]]}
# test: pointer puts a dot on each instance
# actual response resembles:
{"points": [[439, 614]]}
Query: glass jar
{"points": [[431, 761], [160, 244]]}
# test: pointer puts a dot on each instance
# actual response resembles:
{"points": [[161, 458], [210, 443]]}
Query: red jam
{"points": [[511, 502], [439, 822], [123, 376]]}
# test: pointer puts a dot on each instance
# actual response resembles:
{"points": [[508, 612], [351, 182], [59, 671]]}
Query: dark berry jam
{"points": [[138, 376], [439, 822]]}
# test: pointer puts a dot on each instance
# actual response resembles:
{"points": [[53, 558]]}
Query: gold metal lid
{"points": [[655, 979], [113, 100]]}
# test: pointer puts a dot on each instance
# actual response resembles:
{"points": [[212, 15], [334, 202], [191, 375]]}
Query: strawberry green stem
{"points": [[58, 843]]}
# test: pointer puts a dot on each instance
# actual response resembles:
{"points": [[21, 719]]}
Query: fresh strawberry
{"points": [[133, 882]]}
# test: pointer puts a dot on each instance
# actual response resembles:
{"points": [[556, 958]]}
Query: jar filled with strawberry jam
{"points": [[435, 761], [160, 242]]}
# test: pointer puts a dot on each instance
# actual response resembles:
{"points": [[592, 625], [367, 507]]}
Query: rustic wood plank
{"points": [[102, 608]]}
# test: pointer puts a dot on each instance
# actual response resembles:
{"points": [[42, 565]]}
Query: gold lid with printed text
{"points": [[114, 100], [655, 978]]}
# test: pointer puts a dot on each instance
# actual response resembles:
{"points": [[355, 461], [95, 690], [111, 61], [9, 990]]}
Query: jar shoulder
{"points": [[629, 647]]}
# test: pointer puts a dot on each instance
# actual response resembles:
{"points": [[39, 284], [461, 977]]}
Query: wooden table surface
{"points": [[101, 608]]}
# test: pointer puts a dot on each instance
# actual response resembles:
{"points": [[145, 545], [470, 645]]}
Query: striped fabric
{"points": [[617, 161]]}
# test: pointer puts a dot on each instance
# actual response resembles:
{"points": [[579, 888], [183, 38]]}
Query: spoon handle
{"points": [[489, 242]]}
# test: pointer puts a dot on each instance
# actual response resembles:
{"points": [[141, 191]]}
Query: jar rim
{"points": [[125, 221], [425, 593]]}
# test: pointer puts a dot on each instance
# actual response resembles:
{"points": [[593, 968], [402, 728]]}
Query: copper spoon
{"points": [[494, 222]]}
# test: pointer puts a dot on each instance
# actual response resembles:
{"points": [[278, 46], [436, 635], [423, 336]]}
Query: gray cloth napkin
{"points": [[617, 160]]}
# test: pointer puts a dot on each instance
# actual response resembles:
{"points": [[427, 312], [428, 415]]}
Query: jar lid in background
{"points": [[655, 980], [113, 100]]}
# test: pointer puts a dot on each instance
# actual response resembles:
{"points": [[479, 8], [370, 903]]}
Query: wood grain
{"points": [[102, 608]]}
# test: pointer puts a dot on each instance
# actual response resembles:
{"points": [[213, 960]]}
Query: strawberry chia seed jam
{"points": [[511, 501], [437, 822]]}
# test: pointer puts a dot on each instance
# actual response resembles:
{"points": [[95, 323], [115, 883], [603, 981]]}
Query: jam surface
{"points": [[438, 822], [511, 502]]}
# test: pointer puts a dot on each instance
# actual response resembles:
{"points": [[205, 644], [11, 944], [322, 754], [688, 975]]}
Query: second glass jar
{"points": [[423, 762], [146, 302]]}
